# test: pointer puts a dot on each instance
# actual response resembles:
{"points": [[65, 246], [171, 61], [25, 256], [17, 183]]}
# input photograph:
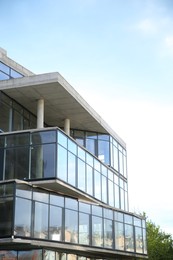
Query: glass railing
{"points": [[50, 153], [49, 216]]}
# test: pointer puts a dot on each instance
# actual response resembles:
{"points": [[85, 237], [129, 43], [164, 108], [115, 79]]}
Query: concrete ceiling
{"points": [[61, 102]]}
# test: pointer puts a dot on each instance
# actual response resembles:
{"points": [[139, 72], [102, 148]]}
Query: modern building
{"points": [[63, 174]]}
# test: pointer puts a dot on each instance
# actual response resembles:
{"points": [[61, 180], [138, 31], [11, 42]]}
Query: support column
{"points": [[67, 126], [40, 113]]}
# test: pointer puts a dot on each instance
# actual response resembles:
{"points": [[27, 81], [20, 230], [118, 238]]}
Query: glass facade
{"points": [[49, 216], [14, 117], [56, 222], [50, 153], [7, 72]]}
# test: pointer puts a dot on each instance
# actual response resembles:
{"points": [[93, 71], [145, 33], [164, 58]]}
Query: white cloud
{"points": [[147, 26], [169, 43]]}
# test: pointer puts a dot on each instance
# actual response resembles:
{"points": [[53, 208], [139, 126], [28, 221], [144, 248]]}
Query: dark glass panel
{"points": [[17, 140], [78, 133], [17, 121], [55, 223], [22, 225], [8, 255], [129, 238], [6, 215], [1, 163], [71, 203], [71, 169], [119, 236], [44, 137], [15, 74], [30, 255], [62, 163], [103, 151], [84, 229], [24, 191], [5, 117], [91, 135], [108, 233], [71, 226], [43, 161], [17, 163], [41, 220], [81, 175], [97, 231], [57, 200], [89, 180]]}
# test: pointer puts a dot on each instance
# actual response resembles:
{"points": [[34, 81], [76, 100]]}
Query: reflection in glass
{"points": [[24, 191], [71, 169], [62, 139], [7, 254], [17, 163], [41, 220], [72, 147], [22, 221], [138, 240], [103, 151], [117, 196], [30, 254], [62, 163], [97, 231], [55, 223], [71, 226], [43, 137], [43, 161], [83, 228], [108, 233], [97, 185], [104, 189], [6, 214], [89, 180], [119, 235], [129, 238], [81, 175], [111, 192]]}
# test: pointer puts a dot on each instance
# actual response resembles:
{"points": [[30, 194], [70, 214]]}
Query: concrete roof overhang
{"points": [[61, 101]]}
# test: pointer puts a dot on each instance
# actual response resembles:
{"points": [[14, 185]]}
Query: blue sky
{"points": [[122, 50]]}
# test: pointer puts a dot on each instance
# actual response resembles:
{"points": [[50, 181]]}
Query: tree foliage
{"points": [[160, 244]]}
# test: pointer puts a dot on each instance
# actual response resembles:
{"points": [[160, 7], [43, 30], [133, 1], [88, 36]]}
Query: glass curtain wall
{"points": [[49, 216], [51, 154]]}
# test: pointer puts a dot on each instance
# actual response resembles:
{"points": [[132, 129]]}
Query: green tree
{"points": [[160, 244]]}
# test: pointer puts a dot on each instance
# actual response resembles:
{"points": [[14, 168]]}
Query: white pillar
{"points": [[40, 113], [67, 126]]}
